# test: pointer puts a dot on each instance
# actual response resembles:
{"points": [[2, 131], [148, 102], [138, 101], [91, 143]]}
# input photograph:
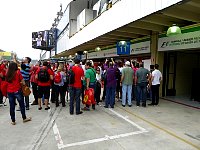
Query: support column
{"points": [[154, 47]]}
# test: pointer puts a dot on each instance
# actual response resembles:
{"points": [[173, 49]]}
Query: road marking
{"points": [[106, 138], [162, 129], [57, 136]]}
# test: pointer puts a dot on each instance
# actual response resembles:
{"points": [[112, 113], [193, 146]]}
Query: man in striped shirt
{"points": [[25, 71]]}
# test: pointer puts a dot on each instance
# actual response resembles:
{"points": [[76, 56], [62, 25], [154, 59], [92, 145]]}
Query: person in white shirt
{"points": [[155, 84]]}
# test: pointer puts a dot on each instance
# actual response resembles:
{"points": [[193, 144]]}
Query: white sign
{"points": [[103, 54], [182, 41], [140, 48]]}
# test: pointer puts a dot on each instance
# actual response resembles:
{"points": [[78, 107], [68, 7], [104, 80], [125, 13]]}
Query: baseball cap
{"points": [[127, 63]]}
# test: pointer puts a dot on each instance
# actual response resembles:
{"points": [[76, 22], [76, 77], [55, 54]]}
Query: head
{"points": [[111, 64], [12, 68], [60, 68], [98, 70], [5, 62], [127, 64], [27, 60], [77, 61], [88, 65], [156, 66], [141, 64], [45, 63]]}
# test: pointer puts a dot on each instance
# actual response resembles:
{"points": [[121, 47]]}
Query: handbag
{"points": [[25, 90]]}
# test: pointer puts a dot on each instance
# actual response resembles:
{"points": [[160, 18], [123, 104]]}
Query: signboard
{"points": [[182, 41], [5, 53], [140, 48], [123, 49], [103, 54]]}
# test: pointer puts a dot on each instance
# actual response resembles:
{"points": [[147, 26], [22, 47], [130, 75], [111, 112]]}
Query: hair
{"points": [[111, 64], [29, 59], [83, 62], [45, 63], [88, 63], [141, 64], [12, 68], [156, 66], [77, 61]]}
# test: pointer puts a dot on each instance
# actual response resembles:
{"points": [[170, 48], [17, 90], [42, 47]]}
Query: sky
{"points": [[19, 18]]}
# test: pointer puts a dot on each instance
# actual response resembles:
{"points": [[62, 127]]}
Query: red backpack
{"points": [[57, 77]]}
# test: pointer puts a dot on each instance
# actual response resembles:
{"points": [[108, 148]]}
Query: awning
{"points": [[183, 14]]}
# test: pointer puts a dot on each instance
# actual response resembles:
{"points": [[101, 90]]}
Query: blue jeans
{"points": [[110, 96], [12, 96], [141, 93], [74, 94], [126, 89]]}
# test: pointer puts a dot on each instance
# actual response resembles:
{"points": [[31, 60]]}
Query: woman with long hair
{"points": [[14, 80]]}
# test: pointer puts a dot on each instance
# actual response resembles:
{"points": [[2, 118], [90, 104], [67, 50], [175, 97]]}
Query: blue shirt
{"points": [[25, 71]]}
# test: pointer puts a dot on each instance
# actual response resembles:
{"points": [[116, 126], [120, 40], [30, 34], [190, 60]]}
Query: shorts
{"points": [[44, 90]]}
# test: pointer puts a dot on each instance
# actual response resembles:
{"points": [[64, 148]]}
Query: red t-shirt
{"points": [[15, 85], [45, 83], [3, 69], [33, 73], [78, 72]]}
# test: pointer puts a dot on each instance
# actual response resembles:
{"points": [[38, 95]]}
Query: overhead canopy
{"points": [[183, 14]]}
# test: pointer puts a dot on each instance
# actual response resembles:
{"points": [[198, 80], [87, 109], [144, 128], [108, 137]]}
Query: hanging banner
{"points": [[103, 54], [5, 53], [140, 48], [182, 41]]}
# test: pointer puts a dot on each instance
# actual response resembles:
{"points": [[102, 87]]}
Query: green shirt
{"points": [[127, 73], [91, 74], [142, 75]]}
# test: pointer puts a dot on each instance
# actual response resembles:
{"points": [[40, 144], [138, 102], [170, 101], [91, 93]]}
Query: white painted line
{"points": [[129, 121], [57, 136], [106, 138]]}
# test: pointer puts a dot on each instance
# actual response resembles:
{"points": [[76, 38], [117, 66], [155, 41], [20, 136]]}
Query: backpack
{"points": [[43, 75], [57, 77], [70, 78]]}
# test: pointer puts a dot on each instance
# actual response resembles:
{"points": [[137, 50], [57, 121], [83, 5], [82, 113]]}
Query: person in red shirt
{"points": [[75, 89], [13, 80], [44, 86], [34, 83]]}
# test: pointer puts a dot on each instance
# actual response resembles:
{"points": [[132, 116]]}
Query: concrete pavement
{"points": [[168, 126]]}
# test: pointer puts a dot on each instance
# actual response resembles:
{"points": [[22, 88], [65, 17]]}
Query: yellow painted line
{"points": [[167, 131]]}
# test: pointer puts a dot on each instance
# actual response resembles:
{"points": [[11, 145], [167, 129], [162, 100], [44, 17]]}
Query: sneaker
{"points": [[27, 119], [47, 108], [123, 105], [129, 105], [105, 106], [79, 113], [151, 104], [86, 109], [27, 108], [13, 123], [34, 103], [40, 108]]}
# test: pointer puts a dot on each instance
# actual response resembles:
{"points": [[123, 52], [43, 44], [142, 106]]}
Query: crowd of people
{"points": [[124, 81]]}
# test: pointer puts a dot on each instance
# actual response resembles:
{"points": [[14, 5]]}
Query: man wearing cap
{"points": [[127, 82]]}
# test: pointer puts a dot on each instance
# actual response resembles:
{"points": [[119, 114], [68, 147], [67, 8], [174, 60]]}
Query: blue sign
{"points": [[123, 48]]}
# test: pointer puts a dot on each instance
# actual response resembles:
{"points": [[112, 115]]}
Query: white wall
{"points": [[122, 13]]}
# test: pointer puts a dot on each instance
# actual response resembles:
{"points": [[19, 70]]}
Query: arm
{"points": [[87, 83]]}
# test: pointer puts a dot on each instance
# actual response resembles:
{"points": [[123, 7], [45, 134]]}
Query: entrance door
{"points": [[169, 74]]}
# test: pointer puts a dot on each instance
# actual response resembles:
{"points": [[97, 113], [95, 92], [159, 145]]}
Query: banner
{"points": [[182, 41], [140, 48], [5, 53]]}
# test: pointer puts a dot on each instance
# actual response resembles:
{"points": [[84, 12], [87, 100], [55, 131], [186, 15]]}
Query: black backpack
{"points": [[43, 75], [70, 78]]}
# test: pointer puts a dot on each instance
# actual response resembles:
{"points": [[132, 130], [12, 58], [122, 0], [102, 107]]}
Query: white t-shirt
{"points": [[156, 77]]}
